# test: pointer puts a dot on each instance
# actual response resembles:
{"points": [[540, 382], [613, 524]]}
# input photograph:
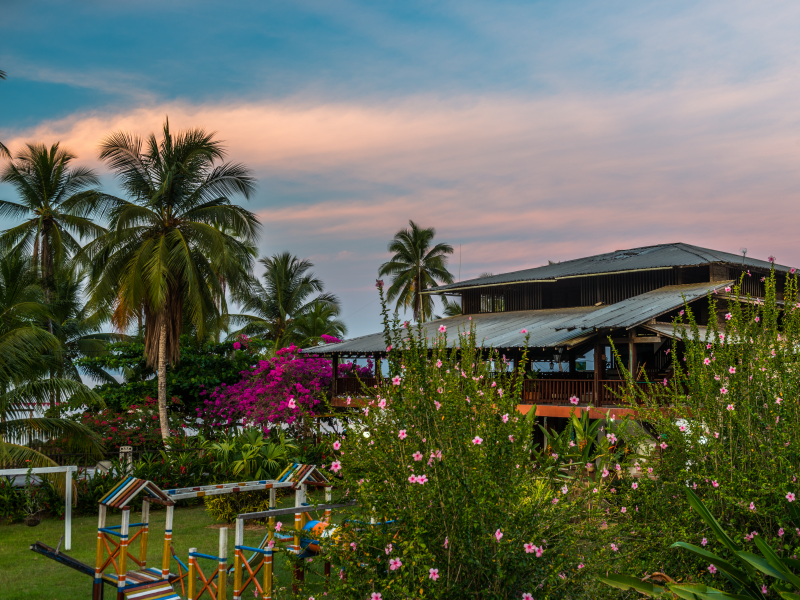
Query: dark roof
{"points": [[644, 307], [498, 330], [662, 256]]}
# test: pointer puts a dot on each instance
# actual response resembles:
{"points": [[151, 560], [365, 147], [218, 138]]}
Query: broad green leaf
{"points": [[625, 583]]}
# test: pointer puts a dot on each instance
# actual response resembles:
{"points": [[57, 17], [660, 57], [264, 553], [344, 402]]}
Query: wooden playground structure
{"points": [[117, 566]]}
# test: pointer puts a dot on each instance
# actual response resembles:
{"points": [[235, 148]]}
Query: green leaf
{"points": [[740, 576], [625, 583]]}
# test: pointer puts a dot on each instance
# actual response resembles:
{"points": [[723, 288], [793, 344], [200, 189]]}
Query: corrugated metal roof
{"points": [[498, 330], [667, 330], [636, 259], [640, 309]]}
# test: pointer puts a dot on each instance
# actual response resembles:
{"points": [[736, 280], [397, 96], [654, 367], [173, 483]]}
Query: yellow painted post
{"points": [[144, 534], [298, 525], [238, 540], [97, 592], [123, 550], [222, 579], [268, 574], [191, 576], [272, 504], [167, 557]]}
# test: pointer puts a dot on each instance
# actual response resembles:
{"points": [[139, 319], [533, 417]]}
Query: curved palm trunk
{"points": [[162, 381]]}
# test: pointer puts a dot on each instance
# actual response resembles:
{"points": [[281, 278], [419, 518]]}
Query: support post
{"points": [[238, 540], [298, 500], [222, 577], [633, 359], [145, 533], [97, 592], [165, 560], [68, 509], [335, 378], [328, 495], [597, 396], [192, 575], [267, 587], [123, 551]]}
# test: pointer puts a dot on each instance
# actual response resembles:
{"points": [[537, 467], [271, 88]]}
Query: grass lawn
{"points": [[26, 575]]}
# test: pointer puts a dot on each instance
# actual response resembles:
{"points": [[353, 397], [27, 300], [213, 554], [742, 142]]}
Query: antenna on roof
{"points": [[744, 253]]}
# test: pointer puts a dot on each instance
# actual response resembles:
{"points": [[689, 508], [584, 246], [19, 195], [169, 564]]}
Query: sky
{"points": [[522, 131]]}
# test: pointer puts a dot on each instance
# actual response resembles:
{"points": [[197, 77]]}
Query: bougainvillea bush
{"points": [[442, 465], [281, 389], [737, 445]]}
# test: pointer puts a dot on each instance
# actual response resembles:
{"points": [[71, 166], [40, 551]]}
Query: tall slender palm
{"points": [[52, 202], [271, 309], [173, 241], [320, 319], [417, 264], [3, 150], [25, 387]]}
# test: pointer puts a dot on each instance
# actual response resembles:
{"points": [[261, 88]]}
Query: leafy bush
{"points": [[738, 441], [226, 507], [248, 456], [442, 461]]}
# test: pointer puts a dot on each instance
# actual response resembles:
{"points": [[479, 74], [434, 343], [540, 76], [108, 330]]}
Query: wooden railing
{"points": [[352, 386]]}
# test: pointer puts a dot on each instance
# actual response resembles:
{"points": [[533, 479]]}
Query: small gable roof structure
{"points": [[129, 488]]}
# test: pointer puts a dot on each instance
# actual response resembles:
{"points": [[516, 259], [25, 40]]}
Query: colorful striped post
{"points": [[238, 540], [97, 592], [272, 504], [298, 518], [144, 534], [267, 587], [192, 575], [123, 551], [222, 577], [167, 542], [328, 496]]}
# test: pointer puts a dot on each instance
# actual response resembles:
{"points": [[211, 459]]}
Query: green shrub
{"points": [[227, 506]]}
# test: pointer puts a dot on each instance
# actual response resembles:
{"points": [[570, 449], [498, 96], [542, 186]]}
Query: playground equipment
{"points": [[145, 582]]}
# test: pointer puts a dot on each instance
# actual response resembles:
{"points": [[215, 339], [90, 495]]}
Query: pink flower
{"points": [[635, 486], [505, 418], [752, 506], [730, 406], [396, 380], [728, 316], [389, 348], [605, 472], [614, 547], [663, 445], [527, 596], [511, 438], [682, 428], [574, 400], [715, 484], [433, 574], [382, 403], [412, 479], [446, 541], [388, 549], [291, 403], [402, 435], [395, 563], [523, 331], [336, 466], [337, 444], [780, 532], [704, 542], [529, 548], [723, 391], [417, 456], [442, 328], [728, 289], [712, 569], [374, 596], [706, 361], [778, 400], [422, 479], [236, 345], [477, 441], [278, 526], [498, 535], [790, 497], [771, 259], [624, 510], [732, 370]]}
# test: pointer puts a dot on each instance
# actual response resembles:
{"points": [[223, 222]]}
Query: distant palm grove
{"points": [[136, 286]]}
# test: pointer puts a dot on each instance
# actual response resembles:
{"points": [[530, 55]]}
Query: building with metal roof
{"points": [[574, 311]]}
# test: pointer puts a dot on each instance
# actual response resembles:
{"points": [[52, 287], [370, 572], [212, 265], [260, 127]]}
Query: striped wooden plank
{"points": [[159, 590]]}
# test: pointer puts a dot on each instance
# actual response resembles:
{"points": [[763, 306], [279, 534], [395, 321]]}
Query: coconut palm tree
{"points": [[3, 150], [415, 266], [172, 242], [450, 308], [28, 351], [320, 319], [271, 309], [52, 202]]}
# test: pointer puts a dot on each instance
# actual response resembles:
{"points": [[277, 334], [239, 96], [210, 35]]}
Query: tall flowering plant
{"points": [[450, 501], [731, 434], [281, 389]]}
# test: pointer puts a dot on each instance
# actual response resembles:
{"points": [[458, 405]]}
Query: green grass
{"points": [[25, 574]]}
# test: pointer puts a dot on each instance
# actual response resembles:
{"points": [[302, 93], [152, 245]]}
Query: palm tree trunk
{"points": [[162, 381]]}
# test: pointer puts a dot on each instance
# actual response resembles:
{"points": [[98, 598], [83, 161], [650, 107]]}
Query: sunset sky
{"points": [[523, 131]]}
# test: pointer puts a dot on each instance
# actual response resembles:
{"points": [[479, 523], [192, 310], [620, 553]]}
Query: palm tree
{"points": [[173, 241], [3, 150], [273, 307], [321, 319], [416, 266], [25, 388], [52, 204], [450, 308]]}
